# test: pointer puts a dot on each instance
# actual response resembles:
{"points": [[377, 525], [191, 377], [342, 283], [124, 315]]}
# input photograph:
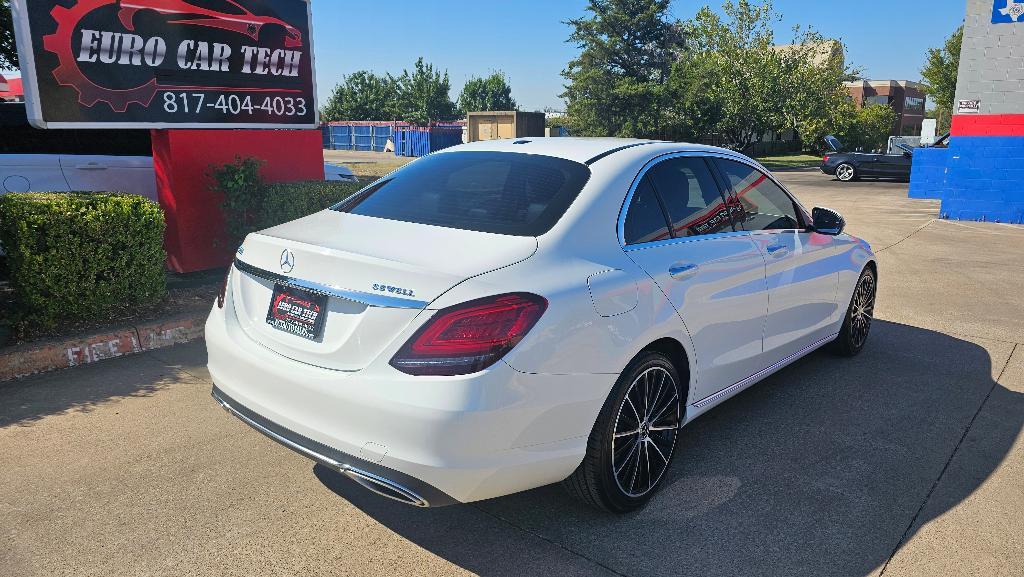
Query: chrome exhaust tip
{"points": [[383, 487]]}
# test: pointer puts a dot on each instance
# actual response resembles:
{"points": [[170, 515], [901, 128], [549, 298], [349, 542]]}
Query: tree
{"points": [[734, 82], [8, 49], [816, 102], [363, 95], [871, 127], [616, 86], [490, 93], [865, 128], [423, 95], [740, 76], [940, 74]]}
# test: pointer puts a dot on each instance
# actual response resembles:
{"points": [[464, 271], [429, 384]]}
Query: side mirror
{"points": [[827, 221]]}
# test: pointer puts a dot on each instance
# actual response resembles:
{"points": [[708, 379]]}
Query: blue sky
{"points": [[526, 38]]}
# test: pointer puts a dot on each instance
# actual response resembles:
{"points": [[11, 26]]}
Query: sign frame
{"points": [[33, 104]]}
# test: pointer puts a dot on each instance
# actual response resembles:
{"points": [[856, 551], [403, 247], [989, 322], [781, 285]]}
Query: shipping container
{"points": [[505, 124], [357, 135], [416, 141]]}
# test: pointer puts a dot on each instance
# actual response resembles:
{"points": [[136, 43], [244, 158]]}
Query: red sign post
{"points": [[182, 159]]}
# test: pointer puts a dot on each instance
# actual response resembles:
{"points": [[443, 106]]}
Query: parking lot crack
{"points": [[919, 229], [548, 540], [945, 467]]}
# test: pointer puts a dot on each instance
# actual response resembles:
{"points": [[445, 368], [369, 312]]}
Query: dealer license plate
{"points": [[297, 311]]}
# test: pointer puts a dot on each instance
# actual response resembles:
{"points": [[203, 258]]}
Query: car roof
{"points": [[583, 150]]}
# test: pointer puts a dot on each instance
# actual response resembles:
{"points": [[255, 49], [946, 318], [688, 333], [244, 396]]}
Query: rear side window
{"points": [[645, 221], [498, 192], [694, 203], [765, 206]]}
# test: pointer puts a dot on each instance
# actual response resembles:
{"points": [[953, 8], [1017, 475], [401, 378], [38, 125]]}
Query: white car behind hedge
{"points": [[88, 160]]}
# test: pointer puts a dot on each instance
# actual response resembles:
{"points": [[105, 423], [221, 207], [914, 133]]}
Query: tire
{"points": [[857, 324], [628, 455], [846, 172]]}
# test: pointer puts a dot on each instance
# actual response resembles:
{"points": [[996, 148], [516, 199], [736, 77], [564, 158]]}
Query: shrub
{"points": [[241, 184], [287, 201], [82, 256], [250, 204]]}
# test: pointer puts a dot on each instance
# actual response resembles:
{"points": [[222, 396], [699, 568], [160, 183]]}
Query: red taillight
{"points": [[824, 159], [471, 336], [224, 289]]}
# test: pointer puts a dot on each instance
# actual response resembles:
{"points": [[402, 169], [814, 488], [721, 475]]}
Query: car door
{"points": [[895, 165], [101, 172], [31, 173], [801, 277], [867, 164], [678, 229]]}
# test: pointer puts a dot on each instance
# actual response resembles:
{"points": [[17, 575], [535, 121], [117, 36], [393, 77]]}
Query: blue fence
{"points": [[422, 141], [408, 141], [356, 137]]}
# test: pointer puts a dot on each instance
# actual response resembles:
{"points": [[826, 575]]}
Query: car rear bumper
{"points": [[380, 480], [830, 170], [439, 439]]}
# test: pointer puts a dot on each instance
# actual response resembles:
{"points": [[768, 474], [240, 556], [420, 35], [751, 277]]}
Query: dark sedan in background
{"points": [[847, 166]]}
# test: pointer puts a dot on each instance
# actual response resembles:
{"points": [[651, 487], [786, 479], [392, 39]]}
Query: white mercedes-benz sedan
{"points": [[502, 315]]}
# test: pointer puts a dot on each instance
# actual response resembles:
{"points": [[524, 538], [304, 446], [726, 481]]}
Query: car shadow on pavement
{"points": [[822, 469], [24, 402]]}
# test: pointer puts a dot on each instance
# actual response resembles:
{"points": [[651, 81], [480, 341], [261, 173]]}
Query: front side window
{"points": [[497, 192], [695, 205], [645, 220], [765, 206]]}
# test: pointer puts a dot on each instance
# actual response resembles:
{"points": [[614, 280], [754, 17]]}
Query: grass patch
{"points": [[367, 166], [790, 161]]}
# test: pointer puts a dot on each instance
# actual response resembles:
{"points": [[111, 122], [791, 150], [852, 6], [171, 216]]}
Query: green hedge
{"points": [[82, 256], [249, 204], [283, 202]]}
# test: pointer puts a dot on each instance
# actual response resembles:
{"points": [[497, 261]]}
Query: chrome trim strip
{"points": [[686, 239], [369, 299], [366, 479], [754, 378]]}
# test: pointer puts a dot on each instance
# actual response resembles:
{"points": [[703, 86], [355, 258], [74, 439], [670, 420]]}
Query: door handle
{"points": [[682, 271], [91, 166], [778, 250]]}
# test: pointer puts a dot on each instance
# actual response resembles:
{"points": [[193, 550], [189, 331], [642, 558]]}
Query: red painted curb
{"points": [[41, 357]]}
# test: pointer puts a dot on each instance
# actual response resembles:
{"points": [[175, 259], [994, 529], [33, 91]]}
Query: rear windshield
{"points": [[498, 192]]}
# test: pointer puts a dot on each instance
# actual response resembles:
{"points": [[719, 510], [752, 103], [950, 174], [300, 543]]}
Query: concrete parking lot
{"points": [[906, 460]]}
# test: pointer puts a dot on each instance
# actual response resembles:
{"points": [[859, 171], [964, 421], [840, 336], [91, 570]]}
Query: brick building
{"points": [[905, 97], [979, 176]]}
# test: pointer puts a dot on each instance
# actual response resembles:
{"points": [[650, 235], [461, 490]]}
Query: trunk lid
{"points": [[378, 275]]}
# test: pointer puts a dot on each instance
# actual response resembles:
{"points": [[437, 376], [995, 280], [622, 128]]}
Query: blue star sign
{"points": [[1008, 11]]}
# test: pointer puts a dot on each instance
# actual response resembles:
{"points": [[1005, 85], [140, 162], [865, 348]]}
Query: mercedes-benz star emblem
{"points": [[287, 261]]}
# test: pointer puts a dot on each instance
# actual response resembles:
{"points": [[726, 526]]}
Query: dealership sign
{"points": [[167, 63]]}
